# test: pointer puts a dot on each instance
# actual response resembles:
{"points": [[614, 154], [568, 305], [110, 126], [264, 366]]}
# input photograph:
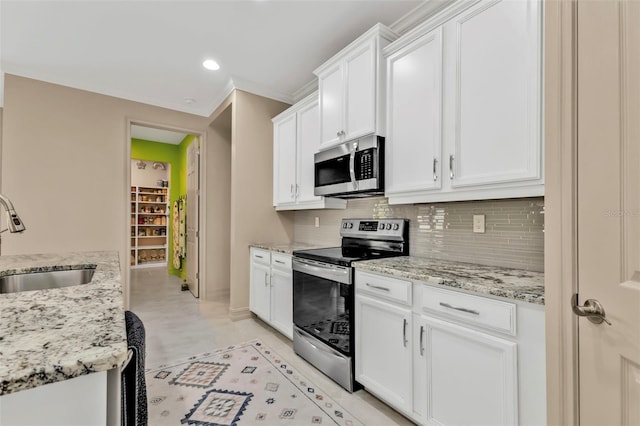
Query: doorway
{"points": [[164, 196]]}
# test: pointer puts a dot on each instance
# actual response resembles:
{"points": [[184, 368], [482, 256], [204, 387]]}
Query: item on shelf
{"points": [[148, 232], [158, 199], [142, 233]]}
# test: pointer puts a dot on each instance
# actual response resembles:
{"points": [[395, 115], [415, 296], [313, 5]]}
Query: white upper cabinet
{"points": [[351, 94], [414, 111], [496, 93], [296, 137], [464, 105]]}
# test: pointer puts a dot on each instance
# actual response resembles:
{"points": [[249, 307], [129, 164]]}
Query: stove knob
{"points": [[381, 226], [396, 226], [344, 225], [388, 226], [349, 225]]}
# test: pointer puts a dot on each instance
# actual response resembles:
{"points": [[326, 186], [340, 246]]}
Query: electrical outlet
{"points": [[478, 223], [317, 222]]}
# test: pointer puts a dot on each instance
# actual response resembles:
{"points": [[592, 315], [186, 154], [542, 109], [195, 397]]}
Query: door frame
{"points": [[125, 266], [560, 242]]}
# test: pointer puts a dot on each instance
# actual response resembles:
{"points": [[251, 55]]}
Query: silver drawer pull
{"points": [[280, 262], [259, 257], [469, 311], [377, 287]]}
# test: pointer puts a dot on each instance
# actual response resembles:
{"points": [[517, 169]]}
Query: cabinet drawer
{"points": [[281, 261], [480, 311], [385, 287], [260, 256]]}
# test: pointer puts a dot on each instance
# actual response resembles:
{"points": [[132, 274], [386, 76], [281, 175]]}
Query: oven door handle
{"points": [[341, 275], [352, 165]]}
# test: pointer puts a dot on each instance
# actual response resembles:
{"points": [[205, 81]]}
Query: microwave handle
{"points": [[352, 165]]}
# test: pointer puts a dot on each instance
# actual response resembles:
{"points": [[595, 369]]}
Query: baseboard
{"points": [[237, 314], [220, 293]]}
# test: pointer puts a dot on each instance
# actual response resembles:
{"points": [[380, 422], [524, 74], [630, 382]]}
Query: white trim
{"points": [[306, 90], [419, 14], [1, 89], [260, 90], [125, 264]]}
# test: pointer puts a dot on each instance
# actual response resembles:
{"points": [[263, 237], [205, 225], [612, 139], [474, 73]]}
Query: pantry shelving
{"points": [[149, 226]]}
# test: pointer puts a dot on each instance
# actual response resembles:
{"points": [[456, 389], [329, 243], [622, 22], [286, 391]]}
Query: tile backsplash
{"points": [[514, 229]]}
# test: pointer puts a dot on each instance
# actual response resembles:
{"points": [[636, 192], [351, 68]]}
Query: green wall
{"points": [[166, 153]]}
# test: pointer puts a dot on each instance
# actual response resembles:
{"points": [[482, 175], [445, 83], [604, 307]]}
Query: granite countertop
{"points": [[284, 248], [51, 335], [510, 283]]}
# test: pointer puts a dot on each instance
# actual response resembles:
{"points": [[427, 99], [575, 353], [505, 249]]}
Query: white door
{"points": [[493, 78], [193, 201], [414, 116], [282, 301], [260, 290], [284, 161], [331, 99], [467, 377], [360, 91], [383, 350], [609, 209], [308, 144]]}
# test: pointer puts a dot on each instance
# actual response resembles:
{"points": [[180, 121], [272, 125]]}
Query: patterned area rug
{"points": [[246, 384]]}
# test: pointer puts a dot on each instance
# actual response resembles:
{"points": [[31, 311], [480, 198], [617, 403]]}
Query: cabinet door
{"points": [[308, 144], [282, 301], [284, 161], [331, 106], [383, 350], [260, 290], [463, 376], [496, 91], [414, 116], [360, 91]]}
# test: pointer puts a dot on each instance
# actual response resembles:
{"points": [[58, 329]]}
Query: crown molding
{"points": [[419, 14], [305, 90]]}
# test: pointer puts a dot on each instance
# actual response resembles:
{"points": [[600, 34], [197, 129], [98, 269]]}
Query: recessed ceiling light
{"points": [[189, 101], [210, 64]]}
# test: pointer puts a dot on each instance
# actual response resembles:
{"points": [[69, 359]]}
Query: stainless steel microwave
{"points": [[351, 169]]}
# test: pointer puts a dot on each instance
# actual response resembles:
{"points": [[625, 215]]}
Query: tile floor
{"points": [[178, 325]]}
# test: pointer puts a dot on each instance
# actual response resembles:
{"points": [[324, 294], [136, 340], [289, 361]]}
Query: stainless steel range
{"points": [[323, 294]]}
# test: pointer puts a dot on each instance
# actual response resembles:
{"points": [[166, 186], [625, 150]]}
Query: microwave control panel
{"points": [[365, 167]]}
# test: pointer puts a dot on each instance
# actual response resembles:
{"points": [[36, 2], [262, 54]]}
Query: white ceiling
{"points": [[152, 51]]}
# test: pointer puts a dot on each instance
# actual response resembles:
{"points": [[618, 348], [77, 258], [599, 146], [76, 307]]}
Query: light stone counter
{"points": [[284, 248], [52, 335], [510, 283]]}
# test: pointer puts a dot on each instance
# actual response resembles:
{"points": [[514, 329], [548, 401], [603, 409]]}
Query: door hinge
{"points": [[197, 276], [197, 234]]}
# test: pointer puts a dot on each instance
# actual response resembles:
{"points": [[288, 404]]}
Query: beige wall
{"points": [[253, 217], [218, 203], [64, 165]]}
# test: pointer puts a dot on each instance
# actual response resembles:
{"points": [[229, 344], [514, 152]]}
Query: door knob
{"points": [[592, 309]]}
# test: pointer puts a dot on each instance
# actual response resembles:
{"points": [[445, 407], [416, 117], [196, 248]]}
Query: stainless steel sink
{"points": [[44, 280]]}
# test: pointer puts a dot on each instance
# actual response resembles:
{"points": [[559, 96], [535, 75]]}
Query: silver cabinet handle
{"points": [[435, 175], [592, 309], [265, 280], [297, 190], [280, 262], [377, 287], [457, 308], [404, 332], [338, 134], [291, 191], [451, 166], [259, 257], [421, 340]]}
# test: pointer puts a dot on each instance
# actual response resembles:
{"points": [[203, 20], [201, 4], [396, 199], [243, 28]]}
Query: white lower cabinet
{"points": [[383, 337], [463, 376], [271, 289], [445, 357]]}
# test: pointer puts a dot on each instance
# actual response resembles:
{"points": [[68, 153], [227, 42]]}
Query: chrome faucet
{"points": [[15, 223]]}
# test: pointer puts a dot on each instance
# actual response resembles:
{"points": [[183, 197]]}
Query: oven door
{"points": [[323, 302]]}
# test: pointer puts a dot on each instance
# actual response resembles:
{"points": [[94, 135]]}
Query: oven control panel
{"points": [[373, 228]]}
